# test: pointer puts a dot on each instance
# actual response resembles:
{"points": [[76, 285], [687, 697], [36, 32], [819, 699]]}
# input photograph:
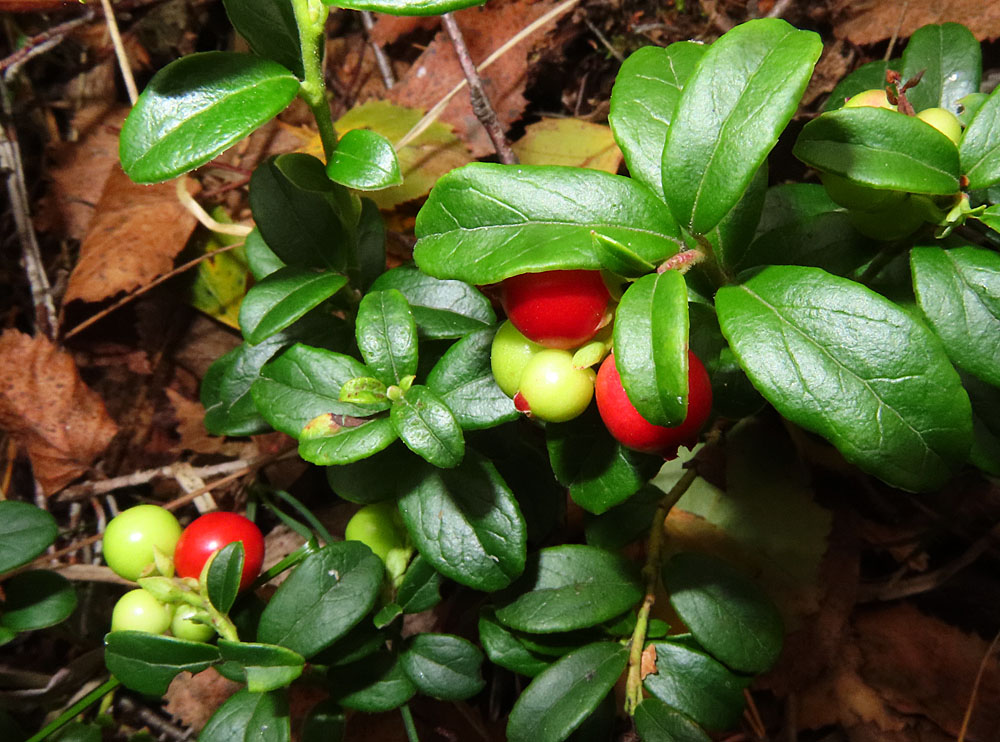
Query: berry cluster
{"points": [[549, 315]]}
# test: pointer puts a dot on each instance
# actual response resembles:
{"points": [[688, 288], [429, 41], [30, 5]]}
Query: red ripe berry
{"points": [[211, 532], [633, 431], [558, 309]]}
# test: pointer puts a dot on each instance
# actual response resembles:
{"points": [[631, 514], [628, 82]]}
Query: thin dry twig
{"points": [[778, 9], [431, 116], [975, 688], [116, 41], [481, 105], [895, 34], [41, 43], [143, 289], [384, 65], [90, 489]]}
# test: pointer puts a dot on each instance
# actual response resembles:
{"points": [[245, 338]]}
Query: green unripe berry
{"points": [[137, 610], [944, 121], [131, 536], [379, 527], [874, 98], [553, 389], [857, 197], [509, 355], [183, 625]]}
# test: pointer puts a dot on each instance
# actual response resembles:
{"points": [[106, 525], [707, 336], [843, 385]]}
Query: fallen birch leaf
{"points": [[569, 142], [135, 234], [61, 424]]}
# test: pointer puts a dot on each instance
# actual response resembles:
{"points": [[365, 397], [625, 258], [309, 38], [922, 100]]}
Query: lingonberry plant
{"points": [[868, 322]]}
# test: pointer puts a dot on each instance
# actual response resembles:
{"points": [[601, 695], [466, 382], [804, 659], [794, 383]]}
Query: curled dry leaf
{"points": [[869, 23], [45, 406], [135, 234]]}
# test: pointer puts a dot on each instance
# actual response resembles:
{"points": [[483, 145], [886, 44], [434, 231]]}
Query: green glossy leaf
{"points": [[196, 107], [223, 581], [959, 292], [696, 685], [443, 666], [643, 99], [225, 389], [36, 599], [387, 335], [359, 643], [147, 662], [325, 722], [250, 717], [559, 699], [731, 236], [617, 258], [484, 222], [743, 92], [389, 613], [842, 361], [406, 7], [304, 382], [441, 308], [283, 298], [651, 344], [882, 149], [504, 649], [265, 666], [421, 587], [951, 62], [570, 587], [326, 443], [364, 161], [327, 594], [655, 721], [466, 523], [270, 30], [306, 219], [25, 532], [463, 379], [985, 453], [626, 522], [599, 471], [969, 106], [75, 731], [425, 424], [728, 614], [980, 145], [372, 479], [866, 77], [372, 685], [260, 258]]}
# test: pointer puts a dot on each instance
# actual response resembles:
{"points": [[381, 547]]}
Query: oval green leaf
{"points": [[421, 587], [223, 580], [651, 344], [463, 379], [36, 599], [979, 147], [283, 298], [559, 699], [364, 161], [951, 61], [743, 92], [304, 382], [570, 587], [372, 685], [147, 662], [643, 99], [655, 721], [387, 335], [443, 666], [485, 222], [844, 362], [727, 613], [265, 666], [959, 292], [504, 649], [441, 308], [882, 149], [466, 523], [697, 686], [327, 594], [406, 7], [25, 532], [269, 29], [260, 258], [196, 107], [425, 424], [250, 717]]}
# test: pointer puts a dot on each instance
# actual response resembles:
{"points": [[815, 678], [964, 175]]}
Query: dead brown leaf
{"points": [[436, 71], [134, 237], [388, 29], [45, 406], [78, 170], [190, 416], [869, 23], [648, 664], [192, 699]]}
